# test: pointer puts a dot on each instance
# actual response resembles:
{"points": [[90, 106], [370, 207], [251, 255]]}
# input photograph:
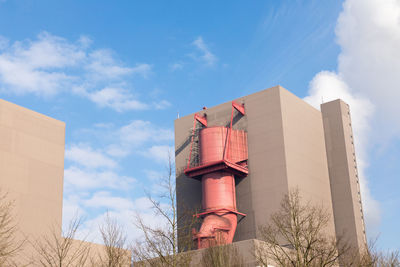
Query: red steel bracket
{"points": [[202, 120], [218, 210], [197, 172], [238, 107]]}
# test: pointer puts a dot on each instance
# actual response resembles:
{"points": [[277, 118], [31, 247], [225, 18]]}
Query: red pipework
{"points": [[223, 154]]}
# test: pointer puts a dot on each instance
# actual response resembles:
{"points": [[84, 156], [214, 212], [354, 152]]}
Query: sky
{"points": [[118, 73]]}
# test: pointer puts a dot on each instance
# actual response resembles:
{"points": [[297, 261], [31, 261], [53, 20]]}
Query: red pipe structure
{"points": [[223, 155]]}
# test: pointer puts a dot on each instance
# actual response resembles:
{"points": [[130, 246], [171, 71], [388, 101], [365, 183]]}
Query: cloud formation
{"points": [[208, 57], [78, 180], [176, 66], [52, 65], [159, 153], [368, 32], [84, 155], [93, 181], [116, 98], [139, 131]]}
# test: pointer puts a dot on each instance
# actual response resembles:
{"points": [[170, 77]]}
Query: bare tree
{"points": [[54, 250], [222, 256], [296, 236], [370, 256], [389, 259], [116, 253], [159, 246], [10, 244]]}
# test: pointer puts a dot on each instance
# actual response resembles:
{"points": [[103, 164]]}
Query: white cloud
{"points": [[84, 41], [368, 32], [142, 69], [208, 57], [36, 67], [85, 156], [102, 65], [163, 104], [76, 178], [93, 185], [138, 131], [159, 153], [154, 176], [116, 98], [48, 51], [104, 199], [118, 142], [120, 209], [117, 150], [72, 207], [51, 65], [176, 66]]}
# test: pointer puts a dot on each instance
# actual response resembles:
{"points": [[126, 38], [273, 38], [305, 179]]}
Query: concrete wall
{"points": [[32, 167], [267, 168], [286, 148], [245, 250], [305, 154], [343, 173]]}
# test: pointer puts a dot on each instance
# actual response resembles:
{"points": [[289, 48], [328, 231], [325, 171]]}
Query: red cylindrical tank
{"points": [[218, 191], [212, 142], [218, 187]]}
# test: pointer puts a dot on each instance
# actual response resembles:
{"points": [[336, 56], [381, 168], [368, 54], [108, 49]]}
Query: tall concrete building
{"points": [[32, 169], [343, 174], [31, 174], [290, 144]]}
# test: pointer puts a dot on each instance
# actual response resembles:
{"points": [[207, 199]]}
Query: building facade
{"points": [[290, 145], [32, 176], [32, 170]]}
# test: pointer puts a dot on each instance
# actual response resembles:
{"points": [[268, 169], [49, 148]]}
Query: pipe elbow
{"points": [[217, 229]]}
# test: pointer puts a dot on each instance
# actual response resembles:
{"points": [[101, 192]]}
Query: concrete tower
{"points": [[290, 145], [343, 173], [32, 169]]}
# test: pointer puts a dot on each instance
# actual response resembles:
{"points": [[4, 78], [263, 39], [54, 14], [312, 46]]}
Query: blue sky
{"points": [[118, 73]]}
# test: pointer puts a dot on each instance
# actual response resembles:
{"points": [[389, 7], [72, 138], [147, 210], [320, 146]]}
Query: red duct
{"points": [[223, 154]]}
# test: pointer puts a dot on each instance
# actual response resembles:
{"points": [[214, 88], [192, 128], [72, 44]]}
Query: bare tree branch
{"points": [[10, 244], [370, 256], [159, 246], [296, 236], [116, 252], [54, 250]]}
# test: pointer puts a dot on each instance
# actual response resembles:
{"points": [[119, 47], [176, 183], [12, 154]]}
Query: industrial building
{"points": [[31, 174], [234, 162], [237, 160], [32, 169]]}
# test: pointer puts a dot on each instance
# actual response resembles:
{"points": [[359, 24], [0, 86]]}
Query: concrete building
{"points": [[290, 145], [31, 174], [32, 168], [343, 174]]}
